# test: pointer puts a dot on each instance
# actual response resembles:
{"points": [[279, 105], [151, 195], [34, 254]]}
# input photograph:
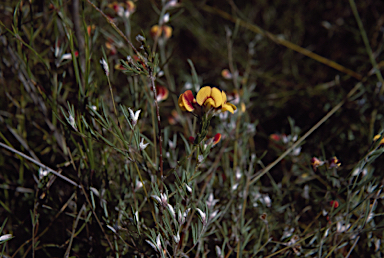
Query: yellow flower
{"points": [[378, 136], [157, 31], [206, 97], [209, 97]]}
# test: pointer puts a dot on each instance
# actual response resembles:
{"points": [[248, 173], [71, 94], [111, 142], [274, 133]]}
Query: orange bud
{"points": [[334, 204], [216, 138]]}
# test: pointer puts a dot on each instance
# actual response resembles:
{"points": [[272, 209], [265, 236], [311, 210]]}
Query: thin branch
{"points": [[39, 164], [75, 223], [159, 127], [366, 43], [283, 42]]}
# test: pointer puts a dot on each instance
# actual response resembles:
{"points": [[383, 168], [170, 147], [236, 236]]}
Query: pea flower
{"points": [[134, 116], [334, 163], [121, 11], [105, 66], [187, 101], [377, 137], [157, 31], [315, 162], [208, 102], [334, 204], [216, 138], [207, 97], [162, 93], [226, 74]]}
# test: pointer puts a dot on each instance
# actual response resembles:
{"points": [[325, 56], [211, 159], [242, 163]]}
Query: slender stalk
{"points": [[283, 42], [39, 164], [152, 78], [366, 43], [113, 99]]}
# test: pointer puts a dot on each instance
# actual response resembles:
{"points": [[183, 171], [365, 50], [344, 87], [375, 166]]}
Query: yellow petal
{"points": [[209, 103], [155, 31], [203, 94], [233, 106], [217, 97], [224, 97], [167, 31], [188, 100], [228, 107], [180, 102]]}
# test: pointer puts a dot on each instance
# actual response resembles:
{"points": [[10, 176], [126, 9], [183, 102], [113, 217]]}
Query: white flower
{"points": [[177, 238], [171, 3], [189, 189], [139, 38], [357, 172], [218, 251], [134, 116], [72, 122], [43, 172], [5, 237], [200, 158], [95, 191], [341, 227], [158, 242], [150, 243], [213, 214], [238, 172], [286, 138], [267, 200], [171, 210], [163, 199], [305, 193], [296, 151], [137, 216], [105, 66], [287, 232], [139, 184], [172, 144], [202, 215], [211, 201], [67, 56], [157, 198], [326, 233], [166, 18], [183, 216], [111, 228], [143, 145], [157, 247]]}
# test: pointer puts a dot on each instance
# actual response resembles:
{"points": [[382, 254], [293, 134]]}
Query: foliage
{"points": [[113, 145]]}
